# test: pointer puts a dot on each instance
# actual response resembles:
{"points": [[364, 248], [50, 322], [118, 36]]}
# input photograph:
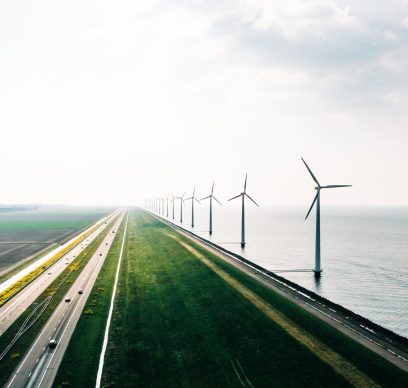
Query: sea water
{"points": [[364, 252]]}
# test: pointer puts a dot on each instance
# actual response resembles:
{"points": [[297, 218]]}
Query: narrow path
{"points": [[108, 322], [327, 355]]}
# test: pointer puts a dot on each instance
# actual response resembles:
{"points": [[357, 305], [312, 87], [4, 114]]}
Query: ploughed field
{"points": [[185, 317], [25, 232]]}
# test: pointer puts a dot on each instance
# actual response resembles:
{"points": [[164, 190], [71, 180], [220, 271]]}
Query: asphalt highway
{"points": [[40, 364], [11, 310]]}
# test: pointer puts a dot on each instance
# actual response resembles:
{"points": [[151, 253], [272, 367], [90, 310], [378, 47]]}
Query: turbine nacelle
{"points": [[211, 196], [244, 194]]}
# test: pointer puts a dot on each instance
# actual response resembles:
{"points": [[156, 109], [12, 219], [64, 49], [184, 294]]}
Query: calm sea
{"points": [[364, 252]]}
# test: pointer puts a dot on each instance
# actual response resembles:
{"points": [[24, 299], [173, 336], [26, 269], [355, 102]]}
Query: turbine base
{"points": [[317, 274]]}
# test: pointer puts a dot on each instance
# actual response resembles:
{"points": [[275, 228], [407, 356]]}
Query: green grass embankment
{"points": [[185, 317], [58, 289]]}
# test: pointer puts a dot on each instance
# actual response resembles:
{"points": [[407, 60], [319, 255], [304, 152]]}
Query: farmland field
{"points": [[26, 232]]}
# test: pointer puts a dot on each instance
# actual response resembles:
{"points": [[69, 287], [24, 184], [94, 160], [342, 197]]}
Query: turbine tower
{"points": [[318, 268], [193, 198], [181, 206], [211, 197], [173, 198], [243, 195]]}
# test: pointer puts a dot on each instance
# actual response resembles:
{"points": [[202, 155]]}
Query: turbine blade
{"points": [[310, 171], [212, 189], [208, 196], [217, 200], [235, 197], [311, 207], [187, 199], [246, 176], [197, 200], [251, 199], [335, 186]]}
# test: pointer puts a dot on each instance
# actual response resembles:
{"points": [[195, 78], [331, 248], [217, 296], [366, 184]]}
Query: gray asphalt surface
{"points": [[11, 310], [40, 364]]}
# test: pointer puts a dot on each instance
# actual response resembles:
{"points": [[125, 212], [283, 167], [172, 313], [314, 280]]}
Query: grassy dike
{"points": [[184, 317], [9, 363], [80, 363]]}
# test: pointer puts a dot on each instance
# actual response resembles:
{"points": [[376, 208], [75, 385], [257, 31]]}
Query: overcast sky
{"points": [[110, 102]]}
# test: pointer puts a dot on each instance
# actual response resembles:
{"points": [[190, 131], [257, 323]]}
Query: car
{"points": [[80, 291], [106, 244], [52, 344], [49, 273], [67, 300], [100, 254]]}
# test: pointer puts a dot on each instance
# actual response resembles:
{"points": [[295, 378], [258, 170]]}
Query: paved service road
{"points": [[11, 310], [40, 364]]}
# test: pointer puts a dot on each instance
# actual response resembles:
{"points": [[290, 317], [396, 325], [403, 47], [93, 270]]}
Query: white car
{"points": [[52, 344], [80, 291]]}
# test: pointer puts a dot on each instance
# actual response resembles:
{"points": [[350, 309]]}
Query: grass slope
{"points": [[177, 323]]}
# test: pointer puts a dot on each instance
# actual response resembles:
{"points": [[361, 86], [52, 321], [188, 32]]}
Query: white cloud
{"points": [[157, 96], [296, 19]]}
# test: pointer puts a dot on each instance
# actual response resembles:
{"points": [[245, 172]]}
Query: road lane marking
{"points": [[106, 335]]}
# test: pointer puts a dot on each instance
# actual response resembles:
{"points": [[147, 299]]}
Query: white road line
{"points": [[105, 338]]}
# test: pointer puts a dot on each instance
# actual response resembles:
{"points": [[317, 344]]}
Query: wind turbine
{"points": [[167, 206], [243, 195], [181, 206], [318, 268], [211, 196], [193, 198]]}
